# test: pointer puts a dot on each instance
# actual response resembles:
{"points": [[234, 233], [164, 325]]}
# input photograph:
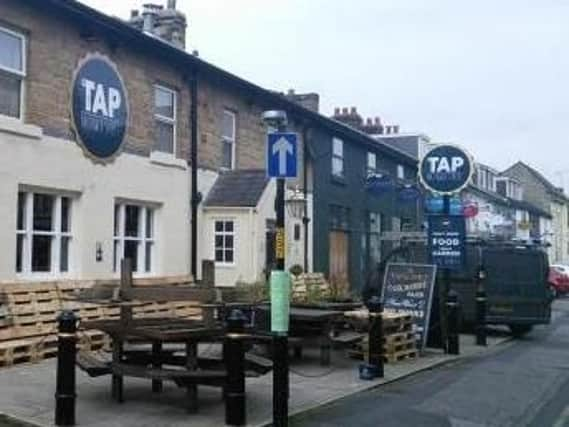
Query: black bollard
{"points": [[481, 309], [234, 355], [453, 313], [66, 351], [375, 338]]}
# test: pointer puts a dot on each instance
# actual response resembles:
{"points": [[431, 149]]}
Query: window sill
{"points": [[224, 265], [338, 179], [17, 127], [165, 159]]}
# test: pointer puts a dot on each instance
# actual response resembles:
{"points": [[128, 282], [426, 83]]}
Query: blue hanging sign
{"points": [[455, 206], [380, 183], [446, 169], [99, 107], [447, 241], [409, 193], [434, 205]]}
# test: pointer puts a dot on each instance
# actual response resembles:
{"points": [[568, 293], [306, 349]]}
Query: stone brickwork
{"points": [[56, 45]]}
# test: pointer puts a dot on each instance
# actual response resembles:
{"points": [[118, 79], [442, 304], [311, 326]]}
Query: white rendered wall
{"points": [[32, 160]]}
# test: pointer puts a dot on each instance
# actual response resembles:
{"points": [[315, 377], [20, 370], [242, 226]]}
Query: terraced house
{"points": [[118, 143]]}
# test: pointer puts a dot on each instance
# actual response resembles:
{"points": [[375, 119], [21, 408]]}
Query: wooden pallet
{"points": [[305, 284], [28, 317]]}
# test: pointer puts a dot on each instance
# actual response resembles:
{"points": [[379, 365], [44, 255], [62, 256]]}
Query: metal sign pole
{"points": [[280, 339]]}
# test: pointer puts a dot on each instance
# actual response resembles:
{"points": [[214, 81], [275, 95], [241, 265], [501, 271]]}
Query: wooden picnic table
{"points": [[158, 332]]}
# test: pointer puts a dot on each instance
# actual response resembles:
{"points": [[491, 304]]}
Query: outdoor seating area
{"points": [[176, 332]]}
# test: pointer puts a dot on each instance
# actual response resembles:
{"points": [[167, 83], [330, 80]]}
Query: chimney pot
{"points": [[353, 110], [369, 122], [291, 91], [172, 4], [396, 129], [336, 111], [345, 111], [133, 13], [377, 121]]}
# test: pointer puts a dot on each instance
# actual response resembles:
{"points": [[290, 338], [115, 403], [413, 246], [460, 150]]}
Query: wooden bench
{"points": [[182, 378]]}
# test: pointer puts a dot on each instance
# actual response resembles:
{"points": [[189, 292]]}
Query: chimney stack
{"points": [[349, 117], [168, 24], [310, 101]]}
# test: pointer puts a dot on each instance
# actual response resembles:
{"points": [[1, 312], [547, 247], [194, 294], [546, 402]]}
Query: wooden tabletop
{"points": [[309, 314], [158, 329]]}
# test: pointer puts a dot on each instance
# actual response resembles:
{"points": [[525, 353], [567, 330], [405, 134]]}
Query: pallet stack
{"points": [[28, 318], [309, 285], [399, 340]]}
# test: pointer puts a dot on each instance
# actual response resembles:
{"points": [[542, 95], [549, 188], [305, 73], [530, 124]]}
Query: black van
{"points": [[516, 282]]}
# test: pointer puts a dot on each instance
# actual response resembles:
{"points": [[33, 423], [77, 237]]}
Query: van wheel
{"points": [[519, 331]]}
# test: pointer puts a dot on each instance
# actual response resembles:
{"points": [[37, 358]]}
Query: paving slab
{"points": [[27, 391]]}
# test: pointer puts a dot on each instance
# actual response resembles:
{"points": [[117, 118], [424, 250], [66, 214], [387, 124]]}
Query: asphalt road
{"points": [[522, 383]]}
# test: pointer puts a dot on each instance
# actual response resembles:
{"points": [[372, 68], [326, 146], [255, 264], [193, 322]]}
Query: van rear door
{"points": [[516, 286]]}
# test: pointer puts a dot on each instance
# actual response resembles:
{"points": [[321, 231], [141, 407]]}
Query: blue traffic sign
{"points": [[446, 169], [282, 155], [446, 241]]}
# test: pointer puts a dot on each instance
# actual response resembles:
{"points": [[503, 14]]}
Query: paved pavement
{"points": [[27, 392], [523, 384]]}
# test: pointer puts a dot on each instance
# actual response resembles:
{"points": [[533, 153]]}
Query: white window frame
{"points": [[400, 172], [229, 140], [171, 121], [371, 169], [141, 238], [55, 233], [223, 234], [21, 74], [336, 156]]}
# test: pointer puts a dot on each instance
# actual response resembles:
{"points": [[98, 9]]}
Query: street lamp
{"points": [[296, 204]]}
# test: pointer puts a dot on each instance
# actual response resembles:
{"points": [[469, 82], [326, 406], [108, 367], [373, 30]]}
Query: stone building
{"points": [[114, 136], [540, 192]]}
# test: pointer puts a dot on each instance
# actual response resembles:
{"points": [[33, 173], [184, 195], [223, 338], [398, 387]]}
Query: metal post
{"points": [[280, 341], [375, 349], [233, 352], [65, 394], [444, 315], [481, 309], [453, 310]]}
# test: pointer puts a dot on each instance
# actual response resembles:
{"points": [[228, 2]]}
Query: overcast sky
{"points": [[489, 75]]}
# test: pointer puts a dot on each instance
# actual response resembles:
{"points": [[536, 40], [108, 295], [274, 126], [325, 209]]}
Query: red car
{"points": [[559, 279]]}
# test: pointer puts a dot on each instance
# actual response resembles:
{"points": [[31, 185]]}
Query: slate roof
{"points": [[128, 36], [238, 188], [531, 208], [555, 191]]}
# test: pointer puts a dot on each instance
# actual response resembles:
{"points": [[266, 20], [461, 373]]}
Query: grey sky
{"points": [[489, 75]]}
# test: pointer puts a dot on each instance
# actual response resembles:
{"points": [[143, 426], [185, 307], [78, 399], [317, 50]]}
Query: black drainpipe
{"points": [[195, 195], [305, 219]]}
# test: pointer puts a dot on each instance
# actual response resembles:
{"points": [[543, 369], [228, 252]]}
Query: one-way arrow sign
{"points": [[282, 155]]}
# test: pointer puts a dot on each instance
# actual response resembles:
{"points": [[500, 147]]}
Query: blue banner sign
{"points": [[409, 193], [446, 169], [380, 183], [446, 241], [434, 205], [99, 107]]}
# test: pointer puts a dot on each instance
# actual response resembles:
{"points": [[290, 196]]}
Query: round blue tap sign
{"points": [[446, 169], [99, 107]]}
